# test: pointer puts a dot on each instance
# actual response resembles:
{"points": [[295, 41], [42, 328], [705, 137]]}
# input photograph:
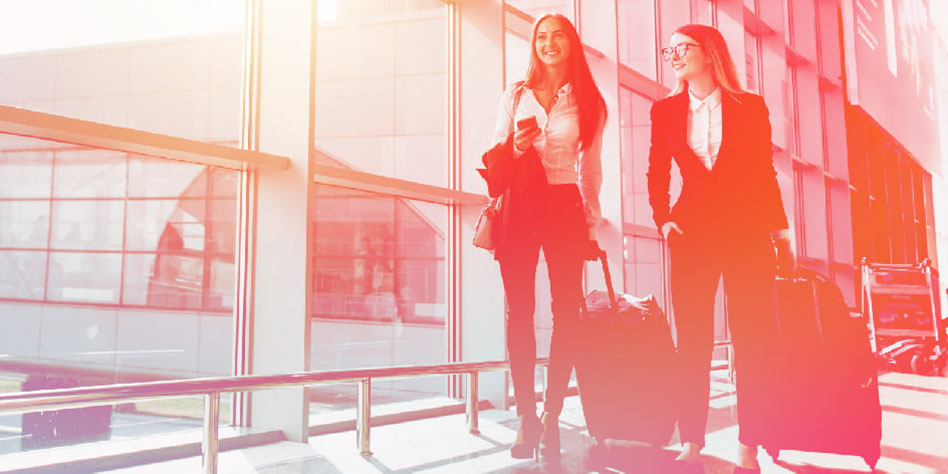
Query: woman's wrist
{"points": [[780, 236]]}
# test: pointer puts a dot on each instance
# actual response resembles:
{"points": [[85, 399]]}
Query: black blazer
{"points": [[739, 196]]}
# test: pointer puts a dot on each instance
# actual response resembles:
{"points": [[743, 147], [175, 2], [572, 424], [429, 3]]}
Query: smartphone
{"points": [[526, 123]]}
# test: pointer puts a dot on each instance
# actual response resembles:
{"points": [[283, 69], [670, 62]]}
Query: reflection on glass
{"points": [[635, 127], [672, 14], [88, 225], [23, 275], [163, 178], [636, 29], [86, 173], [25, 224], [381, 88], [171, 67], [752, 62], [379, 291], [536, 8], [26, 173], [84, 277], [115, 267], [378, 258], [112, 268]]}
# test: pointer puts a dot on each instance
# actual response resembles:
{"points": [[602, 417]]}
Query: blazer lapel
{"points": [[679, 129], [730, 111]]}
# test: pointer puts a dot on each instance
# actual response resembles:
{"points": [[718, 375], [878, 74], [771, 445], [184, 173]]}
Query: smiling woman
{"points": [[559, 113]]}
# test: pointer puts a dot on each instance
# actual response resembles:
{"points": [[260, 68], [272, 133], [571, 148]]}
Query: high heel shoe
{"points": [[528, 437], [550, 439]]}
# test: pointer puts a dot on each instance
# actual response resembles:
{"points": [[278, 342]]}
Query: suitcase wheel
{"points": [[871, 461], [774, 453], [920, 363]]}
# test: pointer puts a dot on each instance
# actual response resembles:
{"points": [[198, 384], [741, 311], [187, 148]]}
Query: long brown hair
{"points": [[721, 63], [591, 105]]}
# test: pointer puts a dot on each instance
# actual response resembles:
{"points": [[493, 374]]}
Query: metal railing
{"points": [[211, 389]]}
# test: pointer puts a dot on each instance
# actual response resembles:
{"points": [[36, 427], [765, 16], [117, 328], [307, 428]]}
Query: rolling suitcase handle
{"points": [[608, 277], [613, 302]]}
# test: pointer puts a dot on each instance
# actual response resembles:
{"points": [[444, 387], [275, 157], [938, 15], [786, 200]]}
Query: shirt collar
{"points": [[712, 100], [566, 89]]}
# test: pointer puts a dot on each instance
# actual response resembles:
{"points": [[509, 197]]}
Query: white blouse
{"points": [[704, 126], [704, 135], [558, 144]]}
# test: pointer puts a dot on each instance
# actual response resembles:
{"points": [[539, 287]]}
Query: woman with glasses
{"points": [[558, 111], [727, 221]]}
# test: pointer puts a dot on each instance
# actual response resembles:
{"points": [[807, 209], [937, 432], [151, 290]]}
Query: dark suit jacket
{"points": [[739, 196]]}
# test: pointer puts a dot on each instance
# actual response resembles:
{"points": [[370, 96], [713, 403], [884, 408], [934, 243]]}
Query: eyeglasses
{"points": [[680, 50]]}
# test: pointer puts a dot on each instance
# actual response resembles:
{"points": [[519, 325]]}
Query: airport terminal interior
{"points": [[236, 235]]}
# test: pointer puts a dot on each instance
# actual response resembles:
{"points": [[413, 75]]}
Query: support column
{"points": [[480, 66], [281, 123]]}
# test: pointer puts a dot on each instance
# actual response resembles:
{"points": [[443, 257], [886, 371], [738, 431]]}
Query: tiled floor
{"points": [[915, 440]]}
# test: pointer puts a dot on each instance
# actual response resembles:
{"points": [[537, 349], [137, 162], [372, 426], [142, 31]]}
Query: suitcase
{"points": [[827, 394], [624, 369]]}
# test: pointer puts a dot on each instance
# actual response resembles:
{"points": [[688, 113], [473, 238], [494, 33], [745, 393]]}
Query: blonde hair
{"points": [[715, 49]]}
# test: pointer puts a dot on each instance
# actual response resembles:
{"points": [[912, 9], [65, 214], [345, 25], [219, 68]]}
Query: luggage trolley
{"points": [[902, 307]]}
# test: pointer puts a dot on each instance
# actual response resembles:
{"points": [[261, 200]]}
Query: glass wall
{"points": [[172, 67], [535, 8], [379, 262], [637, 38], [381, 88], [116, 267], [643, 250]]}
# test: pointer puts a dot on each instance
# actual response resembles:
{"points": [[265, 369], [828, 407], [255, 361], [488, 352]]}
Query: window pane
{"points": [[378, 258], [23, 276], [88, 225], [379, 294], [164, 280], [381, 87], [89, 173], [24, 172], [222, 277], [101, 287], [86, 277], [752, 63], [165, 178], [635, 128], [637, 36], [672, 14], [25, 224], [537, 8], [222, 232], [173, 67], [516, 59]]}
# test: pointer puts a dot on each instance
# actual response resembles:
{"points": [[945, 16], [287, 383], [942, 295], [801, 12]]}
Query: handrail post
{"points": [[212, 405], [472, 403], [363, 415]]}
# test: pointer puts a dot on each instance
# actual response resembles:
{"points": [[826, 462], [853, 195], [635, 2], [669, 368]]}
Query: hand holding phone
{"points": [[526, 123], [527, 132]]}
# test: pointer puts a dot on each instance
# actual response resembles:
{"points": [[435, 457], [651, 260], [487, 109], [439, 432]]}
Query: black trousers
{"points": [[748, 266], [558, 226]]}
